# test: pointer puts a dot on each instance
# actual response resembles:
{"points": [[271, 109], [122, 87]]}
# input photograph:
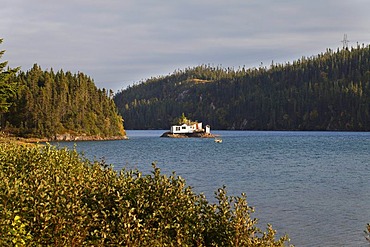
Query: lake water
{"points": [[314, 186]]}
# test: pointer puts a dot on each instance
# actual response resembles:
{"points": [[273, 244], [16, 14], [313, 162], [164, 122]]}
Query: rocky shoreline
{"points": [[189, 135], [71, 138]]}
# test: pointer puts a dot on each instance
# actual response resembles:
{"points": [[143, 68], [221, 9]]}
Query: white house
{"points": [[187, 129]]}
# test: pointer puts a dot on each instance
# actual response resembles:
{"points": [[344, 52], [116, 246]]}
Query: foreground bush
{"points": [[59, 198]]}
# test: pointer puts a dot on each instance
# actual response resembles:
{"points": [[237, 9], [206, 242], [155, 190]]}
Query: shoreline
{"points": [[64, 138], [168, 134]]}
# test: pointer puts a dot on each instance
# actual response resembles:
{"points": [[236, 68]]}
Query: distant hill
{"points": [[49, 104], [329, 91]]}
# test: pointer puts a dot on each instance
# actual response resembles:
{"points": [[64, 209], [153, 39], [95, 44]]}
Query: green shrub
{"points": [[57, 197]]}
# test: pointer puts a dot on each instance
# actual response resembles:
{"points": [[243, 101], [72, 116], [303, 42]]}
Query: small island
{"points": [[185, 128]]}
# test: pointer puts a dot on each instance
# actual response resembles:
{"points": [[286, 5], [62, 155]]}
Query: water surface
{"points": [[315, 186]]}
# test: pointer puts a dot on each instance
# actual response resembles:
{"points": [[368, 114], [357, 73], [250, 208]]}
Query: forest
{"points": [[47, 103], [328, 91]]}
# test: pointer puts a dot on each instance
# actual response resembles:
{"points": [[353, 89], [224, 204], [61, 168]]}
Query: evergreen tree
{"points": [[7, 88], [330, 91], [48, 104]]}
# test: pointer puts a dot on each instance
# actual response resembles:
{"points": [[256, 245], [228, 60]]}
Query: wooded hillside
{"points": [[330, 91], [48, 103]]}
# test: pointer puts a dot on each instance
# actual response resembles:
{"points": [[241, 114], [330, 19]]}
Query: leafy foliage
{"points": [[183, 120], [330, 91], [59, 198], [49, 103]]}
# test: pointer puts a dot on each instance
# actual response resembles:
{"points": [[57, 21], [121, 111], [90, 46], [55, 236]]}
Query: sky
{"points": [[121, 42]]}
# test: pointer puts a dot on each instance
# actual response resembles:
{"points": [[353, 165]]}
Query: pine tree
{"points": [[7, 89]]}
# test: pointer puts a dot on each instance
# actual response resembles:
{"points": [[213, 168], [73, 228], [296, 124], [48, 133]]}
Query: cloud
{"points": [[120, 42]]}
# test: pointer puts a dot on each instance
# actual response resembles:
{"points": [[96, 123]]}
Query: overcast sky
{"points": [[119, 42]]}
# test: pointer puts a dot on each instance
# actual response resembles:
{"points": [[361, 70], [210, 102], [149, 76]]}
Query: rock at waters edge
{"points": [[189, 135]]}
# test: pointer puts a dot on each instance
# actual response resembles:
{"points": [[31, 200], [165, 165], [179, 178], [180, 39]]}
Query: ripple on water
{"points": [[311, 185]]}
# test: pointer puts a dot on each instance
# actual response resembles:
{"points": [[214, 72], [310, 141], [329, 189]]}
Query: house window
{"points": [[184, 127], [177, 128]]}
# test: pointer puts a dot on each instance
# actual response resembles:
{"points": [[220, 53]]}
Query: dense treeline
{"points": [[48, 103], [330, 91], [7, 88], [53, 197]]}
